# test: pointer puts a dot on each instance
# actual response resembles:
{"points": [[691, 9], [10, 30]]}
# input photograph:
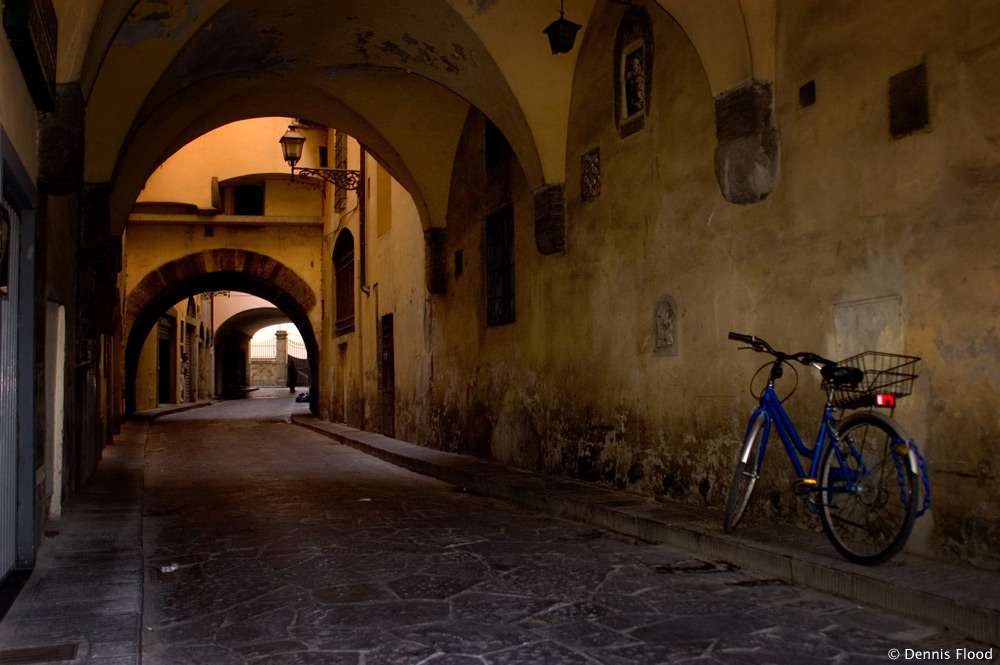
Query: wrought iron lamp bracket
{"points": [[342, 178]]}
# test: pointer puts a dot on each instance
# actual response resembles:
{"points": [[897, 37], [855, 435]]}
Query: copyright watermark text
{"points": [[959, 654]]}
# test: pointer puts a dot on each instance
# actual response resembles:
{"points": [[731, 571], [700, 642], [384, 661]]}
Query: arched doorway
{"points": [[218, 270]]}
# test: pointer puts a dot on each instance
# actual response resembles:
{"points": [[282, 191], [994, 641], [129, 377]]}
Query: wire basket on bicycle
{"points": [[884, 374]]}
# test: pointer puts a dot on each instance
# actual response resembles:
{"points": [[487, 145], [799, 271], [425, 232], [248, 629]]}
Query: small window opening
{"points": [[497, 147], [807, 94], [908, 110], [500, 267], [248, 200], [343, 266]]}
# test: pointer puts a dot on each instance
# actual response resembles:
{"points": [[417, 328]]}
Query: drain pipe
{"points": [[363, 225]]}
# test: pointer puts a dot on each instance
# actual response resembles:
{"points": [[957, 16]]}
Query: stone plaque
{"points": [[873, 324]]}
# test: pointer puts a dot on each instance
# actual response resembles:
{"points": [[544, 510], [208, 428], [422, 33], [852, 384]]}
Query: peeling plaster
{"points": [[223, 48], [483, 6], [361, 41], [181, 29], [157, 24], [137, 30], [412, 51]]}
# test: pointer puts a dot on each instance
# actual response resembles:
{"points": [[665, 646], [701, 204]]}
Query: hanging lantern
{"points": [[562, 33]]}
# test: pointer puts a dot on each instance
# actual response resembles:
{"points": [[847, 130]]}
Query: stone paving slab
{"points": [[961, 599]]}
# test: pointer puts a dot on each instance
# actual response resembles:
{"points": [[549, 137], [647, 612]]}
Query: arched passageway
{"points": [[218, 270], [238, 330]]}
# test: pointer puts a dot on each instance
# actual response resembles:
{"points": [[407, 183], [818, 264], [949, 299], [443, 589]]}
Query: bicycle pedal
{"points": [[804, 486]]}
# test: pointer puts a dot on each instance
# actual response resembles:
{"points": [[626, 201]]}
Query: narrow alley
{"points": [[263, 542]]}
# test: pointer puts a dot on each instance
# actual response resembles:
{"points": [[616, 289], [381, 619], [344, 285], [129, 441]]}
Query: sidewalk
{"points": [[962, 599], [83, 601]]}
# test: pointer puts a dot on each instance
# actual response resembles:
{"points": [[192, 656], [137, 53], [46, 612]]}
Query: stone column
{"points": [[60, 189], [281, 345]]}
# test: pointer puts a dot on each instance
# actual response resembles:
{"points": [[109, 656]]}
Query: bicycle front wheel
{"points": [[747, 472], [869, 491]]}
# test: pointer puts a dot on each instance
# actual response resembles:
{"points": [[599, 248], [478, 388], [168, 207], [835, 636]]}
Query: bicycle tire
{"points": [[743, 483], [871, 525]]}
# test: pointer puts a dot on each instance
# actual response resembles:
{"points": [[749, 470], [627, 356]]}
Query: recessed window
{"points": [[807, 94], [500, 267], [458, 262], [343, 266], [497, 147], [908, 110], [248, 200]]}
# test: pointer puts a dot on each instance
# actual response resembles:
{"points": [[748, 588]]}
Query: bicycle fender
{"points": [[760, 411], [911, 455]]}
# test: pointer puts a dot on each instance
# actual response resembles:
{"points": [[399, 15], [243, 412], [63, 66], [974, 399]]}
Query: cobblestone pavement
{"points": [[265, 543]]}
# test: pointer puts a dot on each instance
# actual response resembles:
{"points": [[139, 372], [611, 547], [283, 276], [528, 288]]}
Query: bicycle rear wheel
{"points": [[869, 495], [746, 474]]}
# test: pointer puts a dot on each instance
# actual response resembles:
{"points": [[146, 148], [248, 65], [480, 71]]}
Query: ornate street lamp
{"points": [[562, 33], [291, 150]]}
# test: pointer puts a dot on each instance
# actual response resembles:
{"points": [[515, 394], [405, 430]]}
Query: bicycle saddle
{"points": [[842, 376]]}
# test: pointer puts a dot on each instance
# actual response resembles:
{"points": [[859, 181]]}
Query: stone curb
{"points": [[153, 414], [951, 597]]}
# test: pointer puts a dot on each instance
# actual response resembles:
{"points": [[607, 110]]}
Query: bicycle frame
{"points": [[774, 413]]}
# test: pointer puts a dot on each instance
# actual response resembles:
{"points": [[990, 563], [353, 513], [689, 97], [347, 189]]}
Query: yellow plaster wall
{"points": [[395, 285], [235, 149], [151, 245], [294, 198], [913, 217], [341, 366], [146, 378], [399, 288]]}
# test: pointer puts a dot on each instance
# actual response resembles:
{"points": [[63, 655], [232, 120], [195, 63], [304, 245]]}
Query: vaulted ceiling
{"points": [[399, 76]]}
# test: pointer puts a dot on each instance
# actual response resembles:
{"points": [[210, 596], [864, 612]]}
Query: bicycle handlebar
{"points": [[749, 339], [759, 345]]}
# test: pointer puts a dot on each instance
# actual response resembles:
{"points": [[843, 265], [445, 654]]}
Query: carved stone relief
{"points": [[665, 327]]}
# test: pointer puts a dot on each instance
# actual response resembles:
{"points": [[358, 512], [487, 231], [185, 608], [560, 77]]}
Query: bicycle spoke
{"points": [[867, 513]]}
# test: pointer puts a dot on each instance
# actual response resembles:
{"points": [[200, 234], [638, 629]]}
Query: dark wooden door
{"points": [[387, 379]]}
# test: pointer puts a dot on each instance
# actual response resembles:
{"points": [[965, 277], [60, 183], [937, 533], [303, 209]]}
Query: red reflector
{"points": [[885, 400]]}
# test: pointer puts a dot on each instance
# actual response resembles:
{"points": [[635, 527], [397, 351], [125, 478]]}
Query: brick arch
{"points": [[218, 270]]}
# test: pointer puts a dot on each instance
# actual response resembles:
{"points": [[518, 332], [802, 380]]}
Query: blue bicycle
{"points": [[864, 474]]}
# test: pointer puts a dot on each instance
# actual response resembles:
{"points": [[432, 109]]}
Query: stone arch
{"points": [[218, 270], [208, 105]]}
